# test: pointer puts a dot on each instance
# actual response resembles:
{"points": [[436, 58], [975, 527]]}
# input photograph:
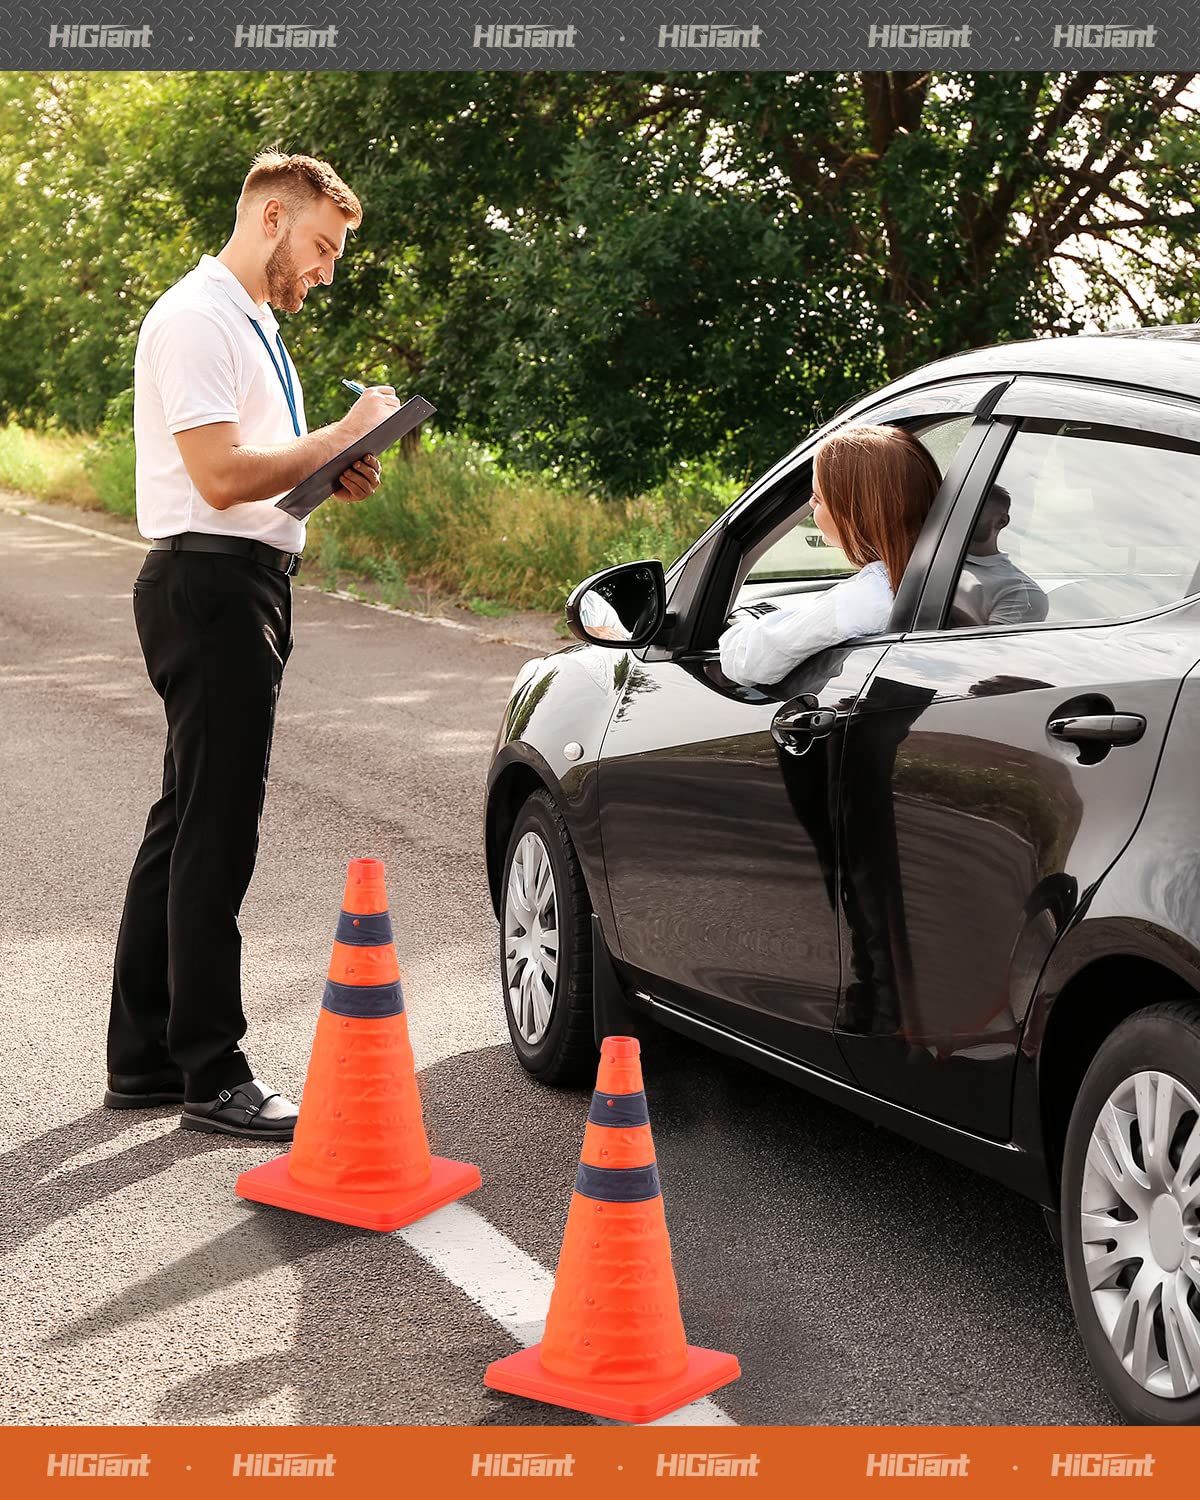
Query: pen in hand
{"points": [[354, 386]]}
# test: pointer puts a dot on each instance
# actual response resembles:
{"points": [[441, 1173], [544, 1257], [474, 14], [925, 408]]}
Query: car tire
{"points": [[564, 1050], [1150, 1063]]}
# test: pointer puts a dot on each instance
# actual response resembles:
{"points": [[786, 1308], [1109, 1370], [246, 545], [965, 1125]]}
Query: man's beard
{"points": [[283, 279]]}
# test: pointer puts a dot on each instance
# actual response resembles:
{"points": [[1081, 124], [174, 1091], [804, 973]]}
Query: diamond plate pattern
{"points": [[618, 34]]}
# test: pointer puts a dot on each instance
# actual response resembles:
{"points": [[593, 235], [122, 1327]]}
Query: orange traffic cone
{"points": [[360, 1154], [614, 1344]]}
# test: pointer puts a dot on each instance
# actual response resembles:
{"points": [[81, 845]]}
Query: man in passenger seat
{"points": [[992, 590]]}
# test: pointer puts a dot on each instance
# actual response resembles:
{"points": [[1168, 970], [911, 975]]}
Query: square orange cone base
{"points": [[523, 1374], [272, 1183]]}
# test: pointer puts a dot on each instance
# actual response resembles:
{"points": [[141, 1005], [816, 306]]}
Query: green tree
{"points": [[725, 259], [72, 208], [607, 275]]}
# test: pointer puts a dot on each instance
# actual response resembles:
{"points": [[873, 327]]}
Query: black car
{"points": [[948, 876]]}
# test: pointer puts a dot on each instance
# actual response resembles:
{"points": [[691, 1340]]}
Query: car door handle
{"points": [[795, 728], [1098, 729]]}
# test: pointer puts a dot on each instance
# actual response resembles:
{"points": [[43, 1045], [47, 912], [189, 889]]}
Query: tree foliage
{"points": [[608, 275]]}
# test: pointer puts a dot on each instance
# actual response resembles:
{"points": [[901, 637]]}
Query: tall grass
{"points": [[449, 519], [46, 465], [454, 518]]}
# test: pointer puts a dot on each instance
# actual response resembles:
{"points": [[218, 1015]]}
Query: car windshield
{"points": [[801, 552]]}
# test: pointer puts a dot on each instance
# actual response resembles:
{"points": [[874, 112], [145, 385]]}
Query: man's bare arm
{"points": [[228, 473]]}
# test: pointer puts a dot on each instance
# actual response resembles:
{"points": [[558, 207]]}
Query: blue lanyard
{"points": [[285, 375]]}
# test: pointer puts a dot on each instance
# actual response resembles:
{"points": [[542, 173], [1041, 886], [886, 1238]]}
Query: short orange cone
{"points": [[614, 1344], [360, 1154]]}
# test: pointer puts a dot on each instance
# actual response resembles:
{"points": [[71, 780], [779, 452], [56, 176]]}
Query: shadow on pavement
{"points": [[857, 1277], [243, 1251], [30, 1205]]}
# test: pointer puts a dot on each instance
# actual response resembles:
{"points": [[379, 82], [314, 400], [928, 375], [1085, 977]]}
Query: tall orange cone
{"points": [[614, 1344], [360, 1154]]}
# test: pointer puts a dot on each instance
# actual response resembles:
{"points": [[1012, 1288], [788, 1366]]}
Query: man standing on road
{"points": [[220, 435]]}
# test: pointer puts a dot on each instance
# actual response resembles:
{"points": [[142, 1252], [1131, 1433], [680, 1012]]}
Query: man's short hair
{"points": [[297, 181], [999, 495]]}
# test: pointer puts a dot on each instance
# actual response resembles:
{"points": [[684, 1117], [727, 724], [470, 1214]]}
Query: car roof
{"points": [[1162, 358]]}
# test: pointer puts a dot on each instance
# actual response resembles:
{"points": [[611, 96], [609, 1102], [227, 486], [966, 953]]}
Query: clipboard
{"points": [[321, 483]]}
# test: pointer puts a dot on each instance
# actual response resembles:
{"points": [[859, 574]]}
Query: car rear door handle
{"points": [[796, 728], [1098, 729]]}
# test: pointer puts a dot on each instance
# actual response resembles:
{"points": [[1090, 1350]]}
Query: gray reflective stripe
{"points": [[363, 999], [618, 1184], [364, 932], [618, 1109]]}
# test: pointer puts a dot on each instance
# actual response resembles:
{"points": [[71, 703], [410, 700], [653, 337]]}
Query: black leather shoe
{"points": [[144, 1090], [240, 1111]]}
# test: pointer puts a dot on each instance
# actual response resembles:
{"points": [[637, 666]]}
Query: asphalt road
{"points": [[859, 1279]]}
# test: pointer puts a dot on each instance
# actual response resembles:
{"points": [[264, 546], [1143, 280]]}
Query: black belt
{"points": [[240, 546]]}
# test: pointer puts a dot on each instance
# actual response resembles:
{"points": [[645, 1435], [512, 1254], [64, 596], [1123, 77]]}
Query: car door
{"points": [[1003, 751], [717, 806]]}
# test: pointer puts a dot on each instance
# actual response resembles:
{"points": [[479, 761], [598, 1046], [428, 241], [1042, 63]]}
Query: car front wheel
{"points": [[545, 947], [1131, 1214]]}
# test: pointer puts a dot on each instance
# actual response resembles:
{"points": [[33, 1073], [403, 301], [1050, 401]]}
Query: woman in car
{"points": [[872, 489]]}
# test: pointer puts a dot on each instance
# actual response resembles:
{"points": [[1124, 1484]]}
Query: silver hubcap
{"points": [[1140, 1216], [531, 937]]}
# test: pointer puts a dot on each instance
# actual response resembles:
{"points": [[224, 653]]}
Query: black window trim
{"points": [[921, 567]]}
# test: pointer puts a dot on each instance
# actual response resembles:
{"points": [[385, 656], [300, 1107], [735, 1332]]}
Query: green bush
{"points": [[110, 467], [452, 518], [108, 459]]}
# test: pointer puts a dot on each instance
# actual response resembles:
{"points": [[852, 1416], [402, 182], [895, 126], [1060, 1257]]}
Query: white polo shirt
{"points": [[199, 360]]}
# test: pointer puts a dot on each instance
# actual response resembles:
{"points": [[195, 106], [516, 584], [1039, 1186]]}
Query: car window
{"points": [[796, 552], [1082, 522]]}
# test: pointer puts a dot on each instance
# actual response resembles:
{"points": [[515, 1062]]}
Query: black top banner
{"points": [[399, 35]]}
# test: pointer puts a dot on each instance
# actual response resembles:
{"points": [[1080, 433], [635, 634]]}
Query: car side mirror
{"points": [[622, 606]]}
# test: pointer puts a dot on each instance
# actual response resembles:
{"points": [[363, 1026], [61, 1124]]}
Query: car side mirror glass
{"points": [[622, 606]]}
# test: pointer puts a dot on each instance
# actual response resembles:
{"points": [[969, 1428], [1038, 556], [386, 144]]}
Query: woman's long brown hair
{"points": [[878, 483]]}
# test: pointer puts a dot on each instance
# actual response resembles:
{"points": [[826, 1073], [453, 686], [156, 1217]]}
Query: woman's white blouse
{"points": [[765, 648]]}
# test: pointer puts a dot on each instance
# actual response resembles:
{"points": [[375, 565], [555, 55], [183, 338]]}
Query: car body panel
{"points": [[1018, 1164], [969, 838], [558, 701], [1149, 903], [719, 847], [1163, 359]]}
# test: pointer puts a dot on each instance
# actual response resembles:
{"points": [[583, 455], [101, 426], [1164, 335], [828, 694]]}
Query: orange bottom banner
{"points": [[598, 1461]]}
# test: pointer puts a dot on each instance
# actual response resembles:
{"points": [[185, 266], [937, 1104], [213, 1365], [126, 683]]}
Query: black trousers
{"points": [[216, 633]]}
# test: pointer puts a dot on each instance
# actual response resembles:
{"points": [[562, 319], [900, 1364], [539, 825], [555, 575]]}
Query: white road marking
{"points": [[510, 1286], [387, 609], [497, 1275], [408, 614], [104, 536]]}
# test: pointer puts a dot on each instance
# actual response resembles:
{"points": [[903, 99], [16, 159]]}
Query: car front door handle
{"points": [[1098, 729], [796, 728]]}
